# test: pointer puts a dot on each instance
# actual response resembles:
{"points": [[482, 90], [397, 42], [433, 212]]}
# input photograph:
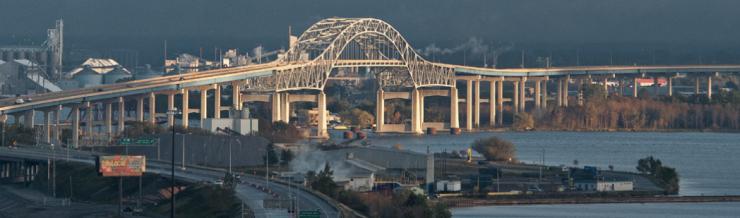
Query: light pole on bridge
{"points": [[172, 112]]}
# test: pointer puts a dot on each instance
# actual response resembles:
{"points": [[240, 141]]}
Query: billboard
{"points": [[121, 165]]}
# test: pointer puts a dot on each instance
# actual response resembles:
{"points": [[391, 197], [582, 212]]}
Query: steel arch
{"points": [[307, 64]]}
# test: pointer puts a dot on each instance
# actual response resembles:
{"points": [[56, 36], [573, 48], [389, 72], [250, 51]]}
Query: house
{"points": [[604, 186]]}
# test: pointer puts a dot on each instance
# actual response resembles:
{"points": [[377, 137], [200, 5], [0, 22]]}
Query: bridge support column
{"points": [[544, 96], [57, 129], [170, 107], [286, 107], [635, 87], [276, 114], [217, 102], [47, 127], [476, 115], [523, 94], [121, 114], [670, 85], [75, 126], [566, 84], [454, 113], [421, 109], [469, 106], [203, 106], [560, 92], [696, 86], [322, 129], [415, 112], [152, 108], [500, 101], [538, 94], [140, 109], [185, 108], [29, 118], [709, 87], [515, 98], [109, 120], [492, 104], [236, 103], [89, 112], [380, 111], [606, 87]]}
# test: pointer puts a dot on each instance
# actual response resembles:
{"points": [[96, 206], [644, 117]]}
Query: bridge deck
{"points": [[175, 82]]}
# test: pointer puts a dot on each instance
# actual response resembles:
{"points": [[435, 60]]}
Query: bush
{"points": [[667, 177], [523, 121], [495, 149]]}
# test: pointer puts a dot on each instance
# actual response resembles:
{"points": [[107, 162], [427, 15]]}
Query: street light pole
{"points": [[172, 112], [230, 155]]}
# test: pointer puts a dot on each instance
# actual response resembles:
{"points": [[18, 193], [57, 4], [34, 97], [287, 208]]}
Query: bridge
{"points": [[301, 74]]}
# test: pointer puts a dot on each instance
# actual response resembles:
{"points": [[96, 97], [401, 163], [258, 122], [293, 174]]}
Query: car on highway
{"points": [[218, 182]]}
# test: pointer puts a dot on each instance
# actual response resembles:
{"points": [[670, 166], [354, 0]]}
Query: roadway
{"points": [[203, 78], [249, 191]]}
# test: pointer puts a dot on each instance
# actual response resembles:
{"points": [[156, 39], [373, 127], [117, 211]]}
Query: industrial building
{"points": [[94, 72], [47, 56], [23, 77]]}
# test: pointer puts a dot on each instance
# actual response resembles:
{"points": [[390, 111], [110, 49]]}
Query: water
{"points": [[673, 210], [707, 164]]}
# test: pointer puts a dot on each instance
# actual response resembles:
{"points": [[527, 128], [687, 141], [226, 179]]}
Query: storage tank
{"points": [[88, 77], [116, 74]]}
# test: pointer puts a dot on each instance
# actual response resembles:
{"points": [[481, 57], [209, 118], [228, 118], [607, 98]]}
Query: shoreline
{"points": [[460, 202]]}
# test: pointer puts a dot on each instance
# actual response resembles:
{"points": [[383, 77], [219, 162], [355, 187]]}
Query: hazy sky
{"points": [[190, 24]]}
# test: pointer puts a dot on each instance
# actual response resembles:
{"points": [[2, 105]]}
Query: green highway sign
{"points": [[145, 141], [310, 214], [141, 141], [125, 141]]}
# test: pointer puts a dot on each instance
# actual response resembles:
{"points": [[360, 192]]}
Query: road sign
{"points": [[309, 214], [139, 141], [121, 165], [126, 141]]}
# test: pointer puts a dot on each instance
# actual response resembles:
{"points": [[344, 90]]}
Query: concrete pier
{"points": [[500, 101], [454, 113], [380, 111], [140, 109], [75, 126], [476, 108], [109, 119], [121, 114], [217, 101], [185, 108], [709, 87], [469, 106], [522, 94], [515, 98], [203, 110], [236, 103], [322, 128], [492, 104], [170, 107], [152, 108]]}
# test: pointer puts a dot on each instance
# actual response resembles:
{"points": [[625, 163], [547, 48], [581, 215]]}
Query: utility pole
{"points": [[183, 151], [172, 112], [120, 195]]}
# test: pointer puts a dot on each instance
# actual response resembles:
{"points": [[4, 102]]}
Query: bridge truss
{"points": [[352, 42]]}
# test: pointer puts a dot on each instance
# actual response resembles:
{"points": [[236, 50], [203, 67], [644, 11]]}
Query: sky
{"points": [[188, 25]]}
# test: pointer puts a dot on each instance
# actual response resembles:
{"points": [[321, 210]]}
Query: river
{"points": [[707, 164]]}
